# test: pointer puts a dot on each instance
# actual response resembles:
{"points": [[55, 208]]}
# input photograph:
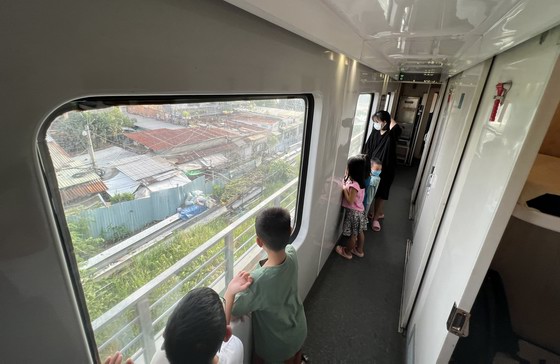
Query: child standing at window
{"points": [[372, 184], [353, 203], [270, 292]]}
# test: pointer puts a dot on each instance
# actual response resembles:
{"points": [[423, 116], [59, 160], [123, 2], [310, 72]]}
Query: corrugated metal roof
{"points": [[121, 183], [59, 156], [76, 175], [142, 166], [105, 158], [184, 158], [82, 190], [162, 139]]}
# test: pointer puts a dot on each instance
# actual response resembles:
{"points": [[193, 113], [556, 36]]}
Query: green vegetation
{"points": [[114, 234], [85, 246], [105, 126], [121, 197], [103, 293], [278, 172]]}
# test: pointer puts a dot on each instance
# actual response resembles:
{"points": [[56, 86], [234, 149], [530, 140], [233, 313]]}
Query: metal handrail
{"points": [[139, 298]]}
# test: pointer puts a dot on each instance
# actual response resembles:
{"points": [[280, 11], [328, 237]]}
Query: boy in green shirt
{"points": [[270, 292]]}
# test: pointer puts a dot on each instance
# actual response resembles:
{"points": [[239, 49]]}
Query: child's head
{"points": [[356, 170], [273, 228], [376, 164], [196, 328]]}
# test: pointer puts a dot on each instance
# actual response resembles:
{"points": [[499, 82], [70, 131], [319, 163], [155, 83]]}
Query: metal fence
{"points": [[136, 214], [134, 324]]}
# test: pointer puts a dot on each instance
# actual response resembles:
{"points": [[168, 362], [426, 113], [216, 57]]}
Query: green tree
{"points": [[85, 246], [121, 197], [105, 126]]}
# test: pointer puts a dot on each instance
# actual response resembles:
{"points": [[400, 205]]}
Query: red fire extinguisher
{"points": [[502, 89]]}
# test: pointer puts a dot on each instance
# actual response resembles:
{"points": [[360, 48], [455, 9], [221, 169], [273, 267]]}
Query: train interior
{"points": [[141, 138], [515, 306]]}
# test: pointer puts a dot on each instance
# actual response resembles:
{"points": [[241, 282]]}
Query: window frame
{"points": [[101, 102], [366, 130]]}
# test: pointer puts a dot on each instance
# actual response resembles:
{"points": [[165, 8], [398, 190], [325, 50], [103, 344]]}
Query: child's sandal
{"points": [[357, 253], [340, 250]]}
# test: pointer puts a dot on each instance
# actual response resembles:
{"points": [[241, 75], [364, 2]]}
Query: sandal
{"points": [[375, 225], [340, 250], [357, 253]]}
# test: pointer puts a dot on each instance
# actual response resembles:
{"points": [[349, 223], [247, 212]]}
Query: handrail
{"points": [[139, 297]]}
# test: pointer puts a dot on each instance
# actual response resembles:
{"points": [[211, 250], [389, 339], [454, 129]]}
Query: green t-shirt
{"points": [[279, 324]]}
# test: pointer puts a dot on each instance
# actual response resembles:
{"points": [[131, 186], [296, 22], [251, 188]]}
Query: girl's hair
{"points": [[367, 165], [356, 170], [383, 116]]}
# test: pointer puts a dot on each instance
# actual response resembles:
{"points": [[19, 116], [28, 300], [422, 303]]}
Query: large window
{"points": [[363, 109], [160, 198]]}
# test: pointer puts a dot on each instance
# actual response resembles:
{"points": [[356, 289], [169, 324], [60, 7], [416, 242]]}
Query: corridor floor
{"points": [[353, 307]]}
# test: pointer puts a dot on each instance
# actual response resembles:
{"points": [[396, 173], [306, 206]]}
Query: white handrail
{"points": [[145, 290]]}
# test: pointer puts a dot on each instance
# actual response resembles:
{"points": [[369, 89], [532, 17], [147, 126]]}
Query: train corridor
{"points": [[353, 307]]}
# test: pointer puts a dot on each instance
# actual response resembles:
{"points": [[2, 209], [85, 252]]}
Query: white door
{"points": [[495, 165], [428, 156], [467, 88]]}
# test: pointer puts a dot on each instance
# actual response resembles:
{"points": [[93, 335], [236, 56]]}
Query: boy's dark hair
{"points": [[376, 161], [273, 227], [196, 328], [356, 170]]}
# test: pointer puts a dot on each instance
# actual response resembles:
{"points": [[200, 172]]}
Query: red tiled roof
{"points": [[161, 139]]}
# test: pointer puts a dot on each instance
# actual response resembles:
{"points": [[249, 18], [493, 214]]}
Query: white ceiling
{"points": [[393, 36]]}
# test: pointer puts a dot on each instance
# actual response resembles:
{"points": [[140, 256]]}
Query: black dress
{"points": [[384, 148]]}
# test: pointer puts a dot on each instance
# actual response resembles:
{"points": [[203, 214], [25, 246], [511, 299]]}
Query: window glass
{"points": [[360, 124], [161, 198]]}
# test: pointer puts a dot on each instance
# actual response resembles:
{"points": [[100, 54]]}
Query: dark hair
{"points": [[273, 227], [367, 165], [356, 170], [196, 328], [383, 116], [376, 161]]}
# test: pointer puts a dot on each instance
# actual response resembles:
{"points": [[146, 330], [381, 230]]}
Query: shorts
{"points": [[354, 222]]}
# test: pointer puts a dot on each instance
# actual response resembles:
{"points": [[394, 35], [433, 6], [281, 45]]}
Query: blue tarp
{"points": [[190, 211]]}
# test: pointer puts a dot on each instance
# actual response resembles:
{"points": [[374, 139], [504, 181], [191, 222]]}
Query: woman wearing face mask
{"points": [[382, 144]]}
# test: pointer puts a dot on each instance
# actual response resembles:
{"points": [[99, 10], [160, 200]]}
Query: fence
{"points": [[134, 324], [136, 214]]}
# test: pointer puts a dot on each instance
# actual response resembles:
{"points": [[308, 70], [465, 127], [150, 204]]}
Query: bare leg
{"points": [[351, 244], [360, 246], [378, 208]]}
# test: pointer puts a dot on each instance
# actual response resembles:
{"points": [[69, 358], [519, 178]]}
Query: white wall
{"points": [[496, 163]]}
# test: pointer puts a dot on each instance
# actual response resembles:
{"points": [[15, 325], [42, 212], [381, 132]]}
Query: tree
{"points": [[121, 197], [85, 246], [105, 127]]}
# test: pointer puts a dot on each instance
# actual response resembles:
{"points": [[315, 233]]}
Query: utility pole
{"points": [[90, 147]]}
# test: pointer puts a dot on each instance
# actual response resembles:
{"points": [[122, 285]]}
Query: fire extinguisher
{"points": [[502, 89]]}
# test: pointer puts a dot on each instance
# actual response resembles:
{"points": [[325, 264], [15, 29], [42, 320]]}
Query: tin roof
{"points": [[82, 190], [162, 139], [140, 167]]}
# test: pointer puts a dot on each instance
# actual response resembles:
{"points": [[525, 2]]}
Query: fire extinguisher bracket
{"points": [[502, 89]]}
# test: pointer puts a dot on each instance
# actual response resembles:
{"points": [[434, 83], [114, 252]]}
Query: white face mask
{"points": [[376, 126]]}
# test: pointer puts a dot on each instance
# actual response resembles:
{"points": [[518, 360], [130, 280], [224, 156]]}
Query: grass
{"points": [[102, 294]]}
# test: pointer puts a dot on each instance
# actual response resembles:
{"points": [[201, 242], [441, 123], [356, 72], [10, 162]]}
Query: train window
{"points": [[363, 109], [160, 198]]}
